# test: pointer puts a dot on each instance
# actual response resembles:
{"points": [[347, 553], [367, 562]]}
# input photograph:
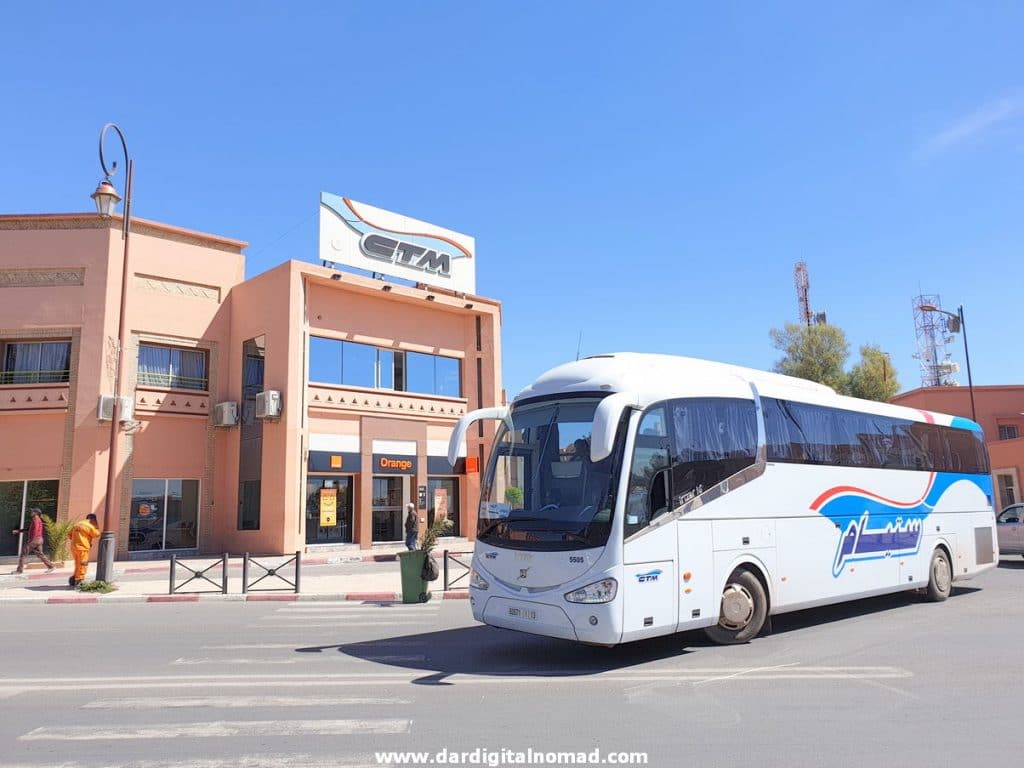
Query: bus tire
{"points": [[743, 611], [940, 577]]}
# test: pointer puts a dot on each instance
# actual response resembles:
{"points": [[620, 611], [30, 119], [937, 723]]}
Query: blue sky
{"points": [[644, 173]]}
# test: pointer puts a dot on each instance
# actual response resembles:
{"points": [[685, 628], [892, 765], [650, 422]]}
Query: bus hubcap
{"points": [[940, 574], [737, 607]]}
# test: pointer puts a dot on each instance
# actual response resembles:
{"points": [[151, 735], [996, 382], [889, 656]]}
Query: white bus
{"points": [[633, 495]]}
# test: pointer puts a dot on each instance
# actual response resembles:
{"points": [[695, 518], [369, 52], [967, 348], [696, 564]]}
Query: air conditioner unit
{"points": [[225, 414], [268, 404], [105, 408]]}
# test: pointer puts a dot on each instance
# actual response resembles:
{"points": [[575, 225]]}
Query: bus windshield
{"points": [[541, 491]]}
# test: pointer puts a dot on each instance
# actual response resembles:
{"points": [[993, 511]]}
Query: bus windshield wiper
{"points": [[495, 523]]}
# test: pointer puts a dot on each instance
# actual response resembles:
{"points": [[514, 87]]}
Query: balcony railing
{"points": [[172, 381], [34, 377]]}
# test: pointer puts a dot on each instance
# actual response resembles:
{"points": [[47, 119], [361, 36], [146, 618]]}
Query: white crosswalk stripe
{"points": [[241, 702], [218, 729], [333, 657]]}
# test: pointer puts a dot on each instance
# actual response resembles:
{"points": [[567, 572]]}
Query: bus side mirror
{"points": [[606, 423]]}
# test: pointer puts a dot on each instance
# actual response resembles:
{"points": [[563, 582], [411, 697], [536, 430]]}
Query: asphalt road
{"points": [[886, 681]]}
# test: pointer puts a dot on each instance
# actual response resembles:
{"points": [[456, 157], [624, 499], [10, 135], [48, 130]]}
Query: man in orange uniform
{"points": [[82, 536]]}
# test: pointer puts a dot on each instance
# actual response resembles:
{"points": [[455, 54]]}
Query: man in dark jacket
{"points": [[412, 526]]}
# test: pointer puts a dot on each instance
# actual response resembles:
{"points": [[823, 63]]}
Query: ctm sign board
{"points": [[362, 236]]}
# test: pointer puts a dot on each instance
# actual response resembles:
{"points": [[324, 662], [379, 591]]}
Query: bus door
{"points": [[649, 575]]}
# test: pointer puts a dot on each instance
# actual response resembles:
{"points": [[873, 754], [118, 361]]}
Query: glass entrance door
{"points": [[388, 493], [341, 531], [17, 497]]}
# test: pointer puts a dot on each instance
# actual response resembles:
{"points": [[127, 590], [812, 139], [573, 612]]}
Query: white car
{"points": [[1010, 525]]}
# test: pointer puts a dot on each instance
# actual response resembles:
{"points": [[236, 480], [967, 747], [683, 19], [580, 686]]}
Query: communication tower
{"points": [[937, 369], [802, 281]]}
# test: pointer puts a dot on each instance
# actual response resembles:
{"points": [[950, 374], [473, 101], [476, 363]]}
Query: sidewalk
{"points": [[321, 579]]}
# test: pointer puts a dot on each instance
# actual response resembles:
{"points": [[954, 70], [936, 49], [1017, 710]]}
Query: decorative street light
{"points": [[106, 199], [955, 323]]}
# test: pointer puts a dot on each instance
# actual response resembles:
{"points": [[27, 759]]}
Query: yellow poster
{"points": [[328, 507]]}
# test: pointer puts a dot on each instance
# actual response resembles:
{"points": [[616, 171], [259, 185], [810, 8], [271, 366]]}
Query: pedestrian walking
{"points": [[33, 541], [82, 535], [412, 527]]}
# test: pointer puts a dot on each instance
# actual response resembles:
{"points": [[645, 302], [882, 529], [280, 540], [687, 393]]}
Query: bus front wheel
{"points": [[940, 577], [743, 612]]}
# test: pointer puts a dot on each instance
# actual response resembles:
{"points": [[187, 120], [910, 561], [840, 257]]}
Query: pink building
{"points": [[370, 378], [1000, 412]]}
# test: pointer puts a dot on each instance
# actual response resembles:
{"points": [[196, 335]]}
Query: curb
{"points": [[368, 597]]}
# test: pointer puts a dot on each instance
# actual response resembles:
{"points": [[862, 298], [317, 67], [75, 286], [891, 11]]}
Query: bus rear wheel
{"points": [[940, 577], [743, 612]]}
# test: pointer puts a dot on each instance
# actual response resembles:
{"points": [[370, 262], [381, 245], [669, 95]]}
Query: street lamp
{"points": [[106, 199], [955, 323]]}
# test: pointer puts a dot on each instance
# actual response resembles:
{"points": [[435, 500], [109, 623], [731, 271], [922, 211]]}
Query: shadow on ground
{"points": [[482, 650]]}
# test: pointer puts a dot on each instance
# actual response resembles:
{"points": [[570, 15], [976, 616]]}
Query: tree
{"points": [[819, 353], [815, 352], [874, 377]]}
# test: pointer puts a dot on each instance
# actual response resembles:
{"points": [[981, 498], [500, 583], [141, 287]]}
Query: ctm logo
{"points": [[396, 251]]}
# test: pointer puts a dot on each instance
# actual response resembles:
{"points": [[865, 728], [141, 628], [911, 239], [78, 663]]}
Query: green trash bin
{"points": [[414, 588]]}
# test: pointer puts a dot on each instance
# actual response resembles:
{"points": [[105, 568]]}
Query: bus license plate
{"points": [[522, 613]]}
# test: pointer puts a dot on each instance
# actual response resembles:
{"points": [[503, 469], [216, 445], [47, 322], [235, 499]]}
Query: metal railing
{"points": [[448, 581], [271, 571], [198, 575]]}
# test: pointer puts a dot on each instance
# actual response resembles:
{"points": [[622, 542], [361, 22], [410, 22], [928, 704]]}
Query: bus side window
{"points": [[714, 439]]}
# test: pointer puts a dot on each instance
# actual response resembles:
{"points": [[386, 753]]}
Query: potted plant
{"points": [[418, 568], [57, 538]]}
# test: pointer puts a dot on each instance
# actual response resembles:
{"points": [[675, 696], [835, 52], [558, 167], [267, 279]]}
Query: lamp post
{"points": [[106, 199], [955, 323]]}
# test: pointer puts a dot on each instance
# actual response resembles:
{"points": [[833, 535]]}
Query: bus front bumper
{"points": [[592, 625]]}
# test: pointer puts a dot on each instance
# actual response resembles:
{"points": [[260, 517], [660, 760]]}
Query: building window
{"points": [[1006, 489], [36, 362], [164, 515], [250, 435], [172, 367], [341, 531], [16, 498], [346, 363], [249, 505], [443, 501], [1008, 432]]}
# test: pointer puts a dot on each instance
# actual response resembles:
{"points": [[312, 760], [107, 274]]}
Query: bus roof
{"points": [[654, 377]]}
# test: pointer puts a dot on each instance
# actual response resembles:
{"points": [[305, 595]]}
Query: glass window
{"points": [[419, 373], [443, 501], [325, 360], [172, 367], [648, 494], [358, 365], [1008, 432], [249, 505], [182, 514], [45, 362], [16, 498], [447, 381], [391, 366], [714, 439], [146, 524], [341, 532], [164, 515], [387, 509]]}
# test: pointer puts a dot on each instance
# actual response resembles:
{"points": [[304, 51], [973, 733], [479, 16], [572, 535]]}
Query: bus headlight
{"points": [[602, 591], [477, 581]]}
